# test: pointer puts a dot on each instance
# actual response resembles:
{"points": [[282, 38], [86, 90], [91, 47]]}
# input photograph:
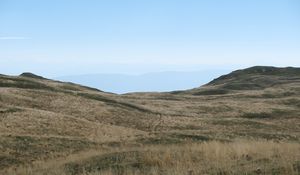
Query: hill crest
{"points": [[31, 75]]}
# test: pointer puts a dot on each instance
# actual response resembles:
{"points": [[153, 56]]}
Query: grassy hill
{"points": [[246, 122]]}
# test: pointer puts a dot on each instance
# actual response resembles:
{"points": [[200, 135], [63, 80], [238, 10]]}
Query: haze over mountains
{"points": [[149, 82]]}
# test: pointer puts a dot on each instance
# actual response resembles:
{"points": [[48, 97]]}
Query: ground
{"points": [[246, 122]]}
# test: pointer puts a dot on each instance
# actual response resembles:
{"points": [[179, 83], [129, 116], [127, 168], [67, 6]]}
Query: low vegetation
{"points": [[239, 157], [246, 122]]}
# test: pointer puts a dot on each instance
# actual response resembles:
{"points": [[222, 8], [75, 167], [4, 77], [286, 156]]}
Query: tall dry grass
{"points": [[240, 157], [243, 157]]}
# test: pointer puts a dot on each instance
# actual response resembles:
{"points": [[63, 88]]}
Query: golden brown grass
{"points": [[239, 157], [49, 127]]}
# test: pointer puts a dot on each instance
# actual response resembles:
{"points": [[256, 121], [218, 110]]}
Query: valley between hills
{"points": [[245, 122]]}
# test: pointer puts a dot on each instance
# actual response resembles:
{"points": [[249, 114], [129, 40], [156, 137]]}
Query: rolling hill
{"points": [[243, 122]]}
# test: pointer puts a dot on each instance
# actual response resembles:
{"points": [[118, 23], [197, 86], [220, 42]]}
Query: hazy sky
{"points": [[64, 37]]}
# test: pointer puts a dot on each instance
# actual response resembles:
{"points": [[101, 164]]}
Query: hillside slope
{"points": [[253, 78], [66, 125]]}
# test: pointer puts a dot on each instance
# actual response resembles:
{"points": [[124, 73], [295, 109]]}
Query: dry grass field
{"points": [[239, 157], [246, 122]]}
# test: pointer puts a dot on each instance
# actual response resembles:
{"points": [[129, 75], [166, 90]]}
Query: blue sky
{"points": [[65, 37]]}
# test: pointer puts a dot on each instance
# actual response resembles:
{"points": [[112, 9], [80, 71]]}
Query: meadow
{"points": [[246, 122]]}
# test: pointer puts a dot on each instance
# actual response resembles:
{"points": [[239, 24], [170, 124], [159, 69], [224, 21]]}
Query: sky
{"points": [[70, 37]]}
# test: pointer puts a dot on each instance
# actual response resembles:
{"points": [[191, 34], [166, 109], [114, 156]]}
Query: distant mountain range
{"points": [[154, 82]]}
